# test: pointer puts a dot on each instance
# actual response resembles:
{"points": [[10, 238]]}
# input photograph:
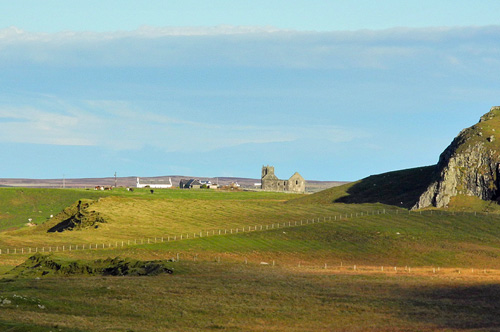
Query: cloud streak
{"points": [[119, 126], [252, 46]]}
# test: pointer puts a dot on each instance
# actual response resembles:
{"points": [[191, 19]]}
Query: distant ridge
{"points": [[130, 181]]}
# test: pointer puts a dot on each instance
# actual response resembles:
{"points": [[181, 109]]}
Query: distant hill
{"points": [[398, 188]]}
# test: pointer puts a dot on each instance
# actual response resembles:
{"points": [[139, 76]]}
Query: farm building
{"points": [[208, 184], [190, 184], [154, 183]]}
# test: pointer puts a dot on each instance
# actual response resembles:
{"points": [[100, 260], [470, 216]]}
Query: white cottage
{"points": [[154, 183]]}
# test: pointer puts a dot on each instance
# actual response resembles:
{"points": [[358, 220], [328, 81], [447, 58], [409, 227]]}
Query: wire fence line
{"points": [[224, 232], [336, 266]]}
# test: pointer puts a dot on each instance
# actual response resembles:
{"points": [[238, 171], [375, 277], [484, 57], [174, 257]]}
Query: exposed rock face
{"points": [[469, 166]]}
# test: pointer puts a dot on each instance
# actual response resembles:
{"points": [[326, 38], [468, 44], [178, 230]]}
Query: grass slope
{"points": [[398, 188], [137, 215], [17, 205], [396, 240]]}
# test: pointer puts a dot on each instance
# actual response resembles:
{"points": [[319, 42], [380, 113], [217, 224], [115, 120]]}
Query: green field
{"points": [[309, 281]]}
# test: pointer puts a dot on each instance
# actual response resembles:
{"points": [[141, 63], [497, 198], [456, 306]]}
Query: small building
{"points": [[270, 181], [208, 184], [190, 184], [154, 183]]}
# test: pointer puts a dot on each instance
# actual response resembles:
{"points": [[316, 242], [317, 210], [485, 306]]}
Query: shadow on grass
{"points": [[399, 188], [20, 327], [455, 307]]}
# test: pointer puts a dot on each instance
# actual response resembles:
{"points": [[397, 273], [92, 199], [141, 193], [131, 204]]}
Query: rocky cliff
{"points": [[469, 166]]}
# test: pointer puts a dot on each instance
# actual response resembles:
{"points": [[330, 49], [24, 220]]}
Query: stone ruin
{"points": [[270, 182]]}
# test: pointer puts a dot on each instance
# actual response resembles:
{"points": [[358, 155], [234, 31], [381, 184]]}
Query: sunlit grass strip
{"points": [[167, 238], [116, 244]]}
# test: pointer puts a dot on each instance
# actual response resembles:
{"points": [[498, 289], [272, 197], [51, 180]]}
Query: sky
{"points": [[336, 90]]}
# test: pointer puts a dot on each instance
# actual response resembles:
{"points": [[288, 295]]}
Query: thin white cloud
{"points": [[121, 126], [30, 125], [250, 46]]}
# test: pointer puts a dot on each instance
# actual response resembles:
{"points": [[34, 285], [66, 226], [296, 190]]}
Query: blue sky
{"points": [[337, 90]]}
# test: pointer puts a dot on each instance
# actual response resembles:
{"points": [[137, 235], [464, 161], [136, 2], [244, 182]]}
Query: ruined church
{"points": [[270, 181]]}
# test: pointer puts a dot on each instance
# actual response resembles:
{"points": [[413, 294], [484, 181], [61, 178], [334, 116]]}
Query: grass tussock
{"points": [[40, 265]]}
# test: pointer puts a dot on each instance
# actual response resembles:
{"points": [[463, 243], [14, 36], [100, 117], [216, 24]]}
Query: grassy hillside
{"points": [[398, 188], [17, 205], [140, 214], [397, 237], [207, 294]]}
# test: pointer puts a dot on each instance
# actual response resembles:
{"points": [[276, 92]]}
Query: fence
{"points": [[222, 232]]}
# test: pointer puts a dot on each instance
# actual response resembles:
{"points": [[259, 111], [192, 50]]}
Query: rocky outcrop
{"points": [[77, 217], [469, 166]]}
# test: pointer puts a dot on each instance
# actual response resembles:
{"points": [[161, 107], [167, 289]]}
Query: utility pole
{"points": [[64, 181], [115, 179]]}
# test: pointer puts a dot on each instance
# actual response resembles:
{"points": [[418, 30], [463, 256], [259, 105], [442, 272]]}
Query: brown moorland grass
{"points": [[248, 297]]}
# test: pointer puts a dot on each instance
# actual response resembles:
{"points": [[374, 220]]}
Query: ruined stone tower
{"points": [[270, 181]]}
